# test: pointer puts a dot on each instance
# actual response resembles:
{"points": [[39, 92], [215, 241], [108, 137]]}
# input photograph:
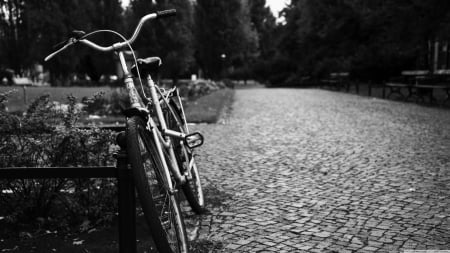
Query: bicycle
{"points": [[158, 143]]}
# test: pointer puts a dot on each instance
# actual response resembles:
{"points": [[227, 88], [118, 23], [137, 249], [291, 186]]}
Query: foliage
{"points": [[4, 98], [118, 102], [47, 136], [194, 89], [30, 29], [265, 25], [96, 104], [225, 37], [373, 40], [243, 31], [170, 38], [99, 104]]}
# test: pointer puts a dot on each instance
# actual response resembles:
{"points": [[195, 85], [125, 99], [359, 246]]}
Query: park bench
{"points": [[440, 81], [337, 81], [406, 82], [126, 193], [419, 85]]}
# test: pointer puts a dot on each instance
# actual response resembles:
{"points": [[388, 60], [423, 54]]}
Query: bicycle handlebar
{"points": [[166, 13], [119, 45]]}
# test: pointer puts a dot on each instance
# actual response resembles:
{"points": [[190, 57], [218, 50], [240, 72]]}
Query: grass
{"points": [[209, 108], [206, 109]]}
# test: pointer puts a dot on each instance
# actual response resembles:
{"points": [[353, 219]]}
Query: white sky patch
{"points": [[275, 5]]}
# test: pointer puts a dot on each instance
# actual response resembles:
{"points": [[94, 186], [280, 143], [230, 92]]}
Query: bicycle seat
{"points": [[146, 66]]}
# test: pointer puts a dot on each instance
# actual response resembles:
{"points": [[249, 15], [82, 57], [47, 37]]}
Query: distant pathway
{"points": [[293, 170]]}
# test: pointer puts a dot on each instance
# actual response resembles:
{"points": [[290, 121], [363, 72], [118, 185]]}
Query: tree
{"points": [[225, 37], [104, 14], [324, 34], [32, 27], [372, 39], [11, 27], [265, 24], [171, 38]]}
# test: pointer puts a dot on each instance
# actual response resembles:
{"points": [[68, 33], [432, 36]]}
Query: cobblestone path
{"points": [[291, 170]]}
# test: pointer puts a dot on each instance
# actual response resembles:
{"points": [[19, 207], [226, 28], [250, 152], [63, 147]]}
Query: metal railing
{"points": [[126, 192]]}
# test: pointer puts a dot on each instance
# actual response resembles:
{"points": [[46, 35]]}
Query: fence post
{"points": [[127, 205], [24, 94]]}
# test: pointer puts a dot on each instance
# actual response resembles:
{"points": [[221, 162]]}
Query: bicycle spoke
{"points": [[160, 207]]}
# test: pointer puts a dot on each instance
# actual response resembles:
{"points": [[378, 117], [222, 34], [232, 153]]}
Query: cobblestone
{"points": [[295, 170]]}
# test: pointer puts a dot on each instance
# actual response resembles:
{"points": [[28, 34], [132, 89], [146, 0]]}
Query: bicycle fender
{"points": [[130, 112]]}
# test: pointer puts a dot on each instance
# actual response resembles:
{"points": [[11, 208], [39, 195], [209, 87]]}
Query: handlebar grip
{"points": [[166, 13]]}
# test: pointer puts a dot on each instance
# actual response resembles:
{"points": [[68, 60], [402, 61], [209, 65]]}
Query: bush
{"points": [[98, 104], [46, 136], [202, 87], [118, 102]]}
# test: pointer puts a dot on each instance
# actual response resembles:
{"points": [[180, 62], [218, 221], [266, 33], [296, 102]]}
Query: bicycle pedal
{"points": [[194, 140]]}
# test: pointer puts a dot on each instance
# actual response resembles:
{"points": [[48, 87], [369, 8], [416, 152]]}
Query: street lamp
{"points": [[222, 57]]}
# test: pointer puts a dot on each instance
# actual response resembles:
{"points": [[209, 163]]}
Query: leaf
{"points": [[25, 235], [85, 225], [13, 249], [92, 230], [79, 242]]}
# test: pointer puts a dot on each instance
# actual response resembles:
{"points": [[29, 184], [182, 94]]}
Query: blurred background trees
{"points": [[373, 40], [30, 29], [238, 39], [226, 40], [171, 38]]}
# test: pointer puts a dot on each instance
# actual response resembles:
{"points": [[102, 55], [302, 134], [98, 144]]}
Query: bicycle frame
{"points": [[161, 139], [161, 136], [168, 151]]}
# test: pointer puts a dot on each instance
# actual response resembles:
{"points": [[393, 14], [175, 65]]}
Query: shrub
{"points": [[47, 136], [99, 104], [96, 104], [118, 102]]}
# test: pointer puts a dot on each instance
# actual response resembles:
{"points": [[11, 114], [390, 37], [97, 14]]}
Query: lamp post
{"points": [[222, 61]]}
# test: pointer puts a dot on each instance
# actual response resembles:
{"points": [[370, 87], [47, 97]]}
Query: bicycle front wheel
{"points": [[192, 188], [160, 207]]}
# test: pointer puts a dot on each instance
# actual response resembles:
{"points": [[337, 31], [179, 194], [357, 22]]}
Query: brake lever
{"points": [[69, 43], [75, 36], [60, 44]]}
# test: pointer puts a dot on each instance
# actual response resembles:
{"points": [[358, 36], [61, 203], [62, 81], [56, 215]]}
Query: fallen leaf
{"points": [[13, 249], [80, 242], [92, 230]]}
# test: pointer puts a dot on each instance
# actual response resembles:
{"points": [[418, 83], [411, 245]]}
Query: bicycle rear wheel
{"points": [[192, 188], [160, 207]]}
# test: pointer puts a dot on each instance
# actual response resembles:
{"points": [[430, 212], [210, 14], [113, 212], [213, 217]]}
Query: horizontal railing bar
{"points": [[58, 172], [112, 127]]}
